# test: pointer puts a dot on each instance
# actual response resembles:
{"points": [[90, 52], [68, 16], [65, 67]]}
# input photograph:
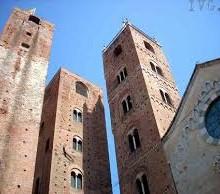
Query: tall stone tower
{"points": [[143, 99], [25, 45], [72, 150]]}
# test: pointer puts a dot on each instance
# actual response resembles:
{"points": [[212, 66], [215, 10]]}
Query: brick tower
{"points": [[72, 153], [143, 98], [24, 53]]}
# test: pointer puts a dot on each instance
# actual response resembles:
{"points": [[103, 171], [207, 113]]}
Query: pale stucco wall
{"points": [[193, 155]]}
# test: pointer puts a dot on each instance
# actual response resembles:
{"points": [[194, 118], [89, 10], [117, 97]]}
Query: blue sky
{"points": [[84, 27]]}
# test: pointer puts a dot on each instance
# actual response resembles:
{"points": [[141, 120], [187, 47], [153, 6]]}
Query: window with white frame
{"points": [[134, 140], [122, 75], [76, 179], [77, 115], [166, 97], [142, 184], [77, 144], [127, 104]]}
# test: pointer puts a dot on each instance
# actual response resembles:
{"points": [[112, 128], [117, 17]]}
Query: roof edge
{"points": [[196, 69], [122, 29]]}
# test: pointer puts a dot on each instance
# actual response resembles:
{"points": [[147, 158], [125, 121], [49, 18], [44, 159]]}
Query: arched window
{"points": [[77, 115], [134, 140], [79, 181], [159, 71], [81, 89], [166, 97], [80, 146], [153, 66], [156, 69], [74, 143], [76, 179], [149, 47], [122, 75], [77, 144], [126, 104], [142, 185], [73, 179]]}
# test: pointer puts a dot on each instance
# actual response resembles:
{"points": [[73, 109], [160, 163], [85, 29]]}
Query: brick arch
{"points": [[131, 125], [134, 174], [76, 167], [123, 95], [77, 108]]}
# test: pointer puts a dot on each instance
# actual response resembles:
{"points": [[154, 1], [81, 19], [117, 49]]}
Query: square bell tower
{"points": [[143, 99]]}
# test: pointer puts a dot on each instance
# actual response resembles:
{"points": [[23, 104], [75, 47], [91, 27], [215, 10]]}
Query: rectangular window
{"points": [[117, 50], [28, 33], [25, 45], [34, 19]]}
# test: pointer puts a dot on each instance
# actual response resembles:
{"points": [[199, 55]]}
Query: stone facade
{"points": [[193, 154], [24, 53], [136, 73], [59, 126]]}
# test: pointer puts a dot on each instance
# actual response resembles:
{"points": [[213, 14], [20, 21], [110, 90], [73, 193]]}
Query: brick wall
{"points": [[92, 162], [22, 82], [149, 158]]}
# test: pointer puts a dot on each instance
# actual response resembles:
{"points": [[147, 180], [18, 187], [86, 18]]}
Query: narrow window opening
{"points": [[80, 146], [162, 95], [142, 185], [145, 183], [125, 72], [168, 99], [129, 103], [139, 187], [77, 116], [25, 45], [76, 180], [34, 19], [79, 181], [137, 139], [80, 117], [159, 71], [134, 141], [117, 50], [74, 143], [122, 75], [37, 186], [152, 66], [47, 145], [131, 145], [73, 179], [28, 33], [118, 78], [124, 106], [149, 47]]}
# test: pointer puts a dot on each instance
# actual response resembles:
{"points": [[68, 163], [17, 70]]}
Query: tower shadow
{"points": [[95, 151]]}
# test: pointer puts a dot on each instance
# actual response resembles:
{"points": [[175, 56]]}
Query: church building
{"points": [[53, 138], [192, 143]]}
